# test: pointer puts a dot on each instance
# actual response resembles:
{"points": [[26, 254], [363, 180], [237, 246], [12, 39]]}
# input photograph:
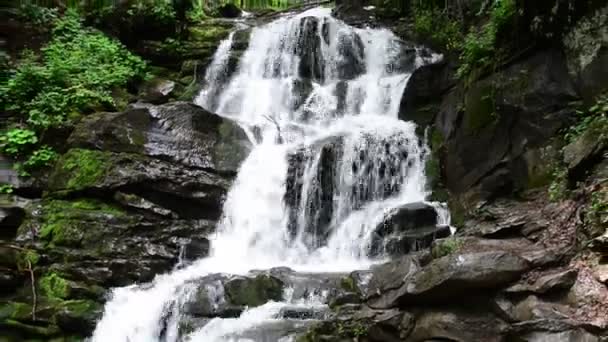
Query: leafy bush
{"points": [[74, 75], [435, 25], [479, 46], [17, 140], [37, 15], [42, 157]]}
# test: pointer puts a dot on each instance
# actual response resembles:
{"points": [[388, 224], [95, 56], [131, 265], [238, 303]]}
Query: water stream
{"points": [[320, 100]]}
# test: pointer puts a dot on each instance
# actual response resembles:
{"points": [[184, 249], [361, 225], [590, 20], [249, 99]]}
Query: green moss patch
{"points": [[444, 247], [79, 169]]}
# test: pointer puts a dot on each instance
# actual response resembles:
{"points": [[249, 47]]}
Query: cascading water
{"points": [[331, 161]]}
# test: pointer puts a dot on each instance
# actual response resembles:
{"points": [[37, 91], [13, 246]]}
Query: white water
{"points": [[379, 166]]}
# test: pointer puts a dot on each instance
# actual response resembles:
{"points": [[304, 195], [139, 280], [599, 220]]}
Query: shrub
{"points": [[37, 15], [479, 46], [74, 75]]}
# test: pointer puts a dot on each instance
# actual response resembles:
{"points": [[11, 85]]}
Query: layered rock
{"points": [[134, 191]]}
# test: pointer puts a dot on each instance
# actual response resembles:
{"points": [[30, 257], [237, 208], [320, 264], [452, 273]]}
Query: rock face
{"points": [[134, 191]]}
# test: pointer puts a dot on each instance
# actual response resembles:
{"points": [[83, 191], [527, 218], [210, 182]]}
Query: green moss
{"points": [[79, 169], [15, 310], [348, 284], [254, 292], [208, 33], [480, 108], [79, 308], [443, 247], [54, 286], [66, 222]]}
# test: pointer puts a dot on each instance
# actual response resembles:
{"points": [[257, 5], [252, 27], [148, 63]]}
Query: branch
{"points": [[33, 280]]}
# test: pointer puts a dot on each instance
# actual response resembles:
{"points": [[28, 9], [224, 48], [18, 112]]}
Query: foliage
{"points": [[444, 247], [479, 46], [41, 158], [595, 118], [6, 189], [83, 168], [160, 10], [17, 141], [27, 258], [74, 75], [597, 211], [558, 189], [435, 25], [37, 15]]}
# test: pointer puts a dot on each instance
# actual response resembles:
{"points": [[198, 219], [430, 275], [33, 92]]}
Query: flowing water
{"points": [[331, 160]]}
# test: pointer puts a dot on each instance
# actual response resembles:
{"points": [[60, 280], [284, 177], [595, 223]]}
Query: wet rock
{"points": [[301, 313], [254, 291], [452, 276], [421, 96], [209, 298], [179, 131], [137, 202], [344, 298], [12, 214], [78, 316], [196, 248], [550, 282], [410, 228]]}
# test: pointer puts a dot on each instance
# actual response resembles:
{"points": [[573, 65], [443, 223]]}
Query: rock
{"points": [[253, 292], [208, 299], [12, 214], [179, 131], [410, 228], [78, 316], [344, 298], [601, 273], [387, 280], [421, 96], [300, 313], [578, 335], [229, 11], [586, 47], [531, 308], [581, 154], [452, 276], [547, 283], [157, 91], [457, 325], [196, 248], [489, 126], [100, 243]]}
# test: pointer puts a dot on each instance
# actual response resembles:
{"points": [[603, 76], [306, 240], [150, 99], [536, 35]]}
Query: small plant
{"points": [[41, 158], [597, 211], [558, 189], [435, 25], [444, 247], [17, 141], [6, 189]]}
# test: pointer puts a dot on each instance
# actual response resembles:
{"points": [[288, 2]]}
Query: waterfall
{"points": [[331, 161]]}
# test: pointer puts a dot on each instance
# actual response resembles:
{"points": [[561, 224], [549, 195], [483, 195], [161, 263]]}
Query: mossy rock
{"points": [[480, 108], [79, 169], [70, 223], [447, 246], [254, 291]]}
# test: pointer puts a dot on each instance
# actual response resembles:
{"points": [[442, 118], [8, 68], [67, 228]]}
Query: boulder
{"points": [[410, 228], [179, 131], [452, 276], [255, 291]]}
